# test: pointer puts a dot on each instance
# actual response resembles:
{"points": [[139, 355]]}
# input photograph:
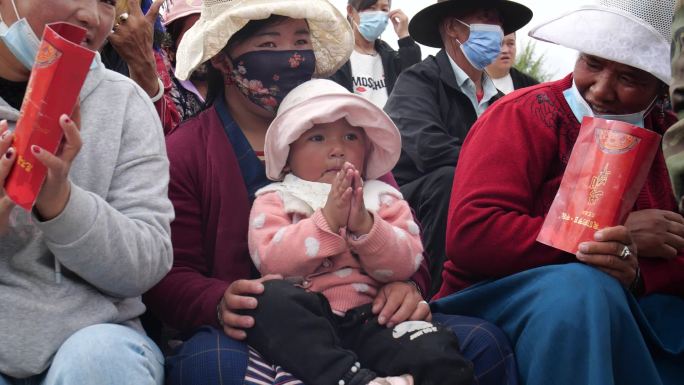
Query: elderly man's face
{"points": [[454, 31], [614, 88]]}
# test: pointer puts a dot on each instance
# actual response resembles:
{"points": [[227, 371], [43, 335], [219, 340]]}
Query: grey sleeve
{"points": [[121, 244]]}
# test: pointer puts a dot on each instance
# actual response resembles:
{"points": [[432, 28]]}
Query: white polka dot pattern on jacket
{"points": [[361, 287], [401, 234], [412, 227], [346, 271], [417, 261], [259, 221], [312, 246], [383, 274], [279, 235], [255, 259], [387, 200]]}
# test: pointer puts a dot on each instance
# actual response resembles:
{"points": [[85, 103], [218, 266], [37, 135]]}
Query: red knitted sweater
{"points": [[508, 173]]}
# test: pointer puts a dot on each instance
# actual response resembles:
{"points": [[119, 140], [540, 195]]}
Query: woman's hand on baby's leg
{"points": [[239, 296], [397, 302]]}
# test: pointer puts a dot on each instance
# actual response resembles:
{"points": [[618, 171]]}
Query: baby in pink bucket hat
{"points": [[336, 234]]}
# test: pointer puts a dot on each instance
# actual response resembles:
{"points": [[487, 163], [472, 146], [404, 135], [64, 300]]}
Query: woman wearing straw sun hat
{"points": [[259, 50], [611, 313]]}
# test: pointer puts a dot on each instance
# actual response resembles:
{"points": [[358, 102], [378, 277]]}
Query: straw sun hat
{"points": [[632, 32], [331, 35]]}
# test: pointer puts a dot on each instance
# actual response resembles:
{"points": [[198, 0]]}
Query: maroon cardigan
{"points": [[209, 233]]}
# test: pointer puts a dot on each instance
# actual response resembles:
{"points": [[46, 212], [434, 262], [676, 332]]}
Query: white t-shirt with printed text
{"points": [[368, 78]]}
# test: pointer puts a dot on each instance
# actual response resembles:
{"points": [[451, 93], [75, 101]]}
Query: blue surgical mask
{"points": [[483, 45], [20, 40], [580, 108], [372, 24]]}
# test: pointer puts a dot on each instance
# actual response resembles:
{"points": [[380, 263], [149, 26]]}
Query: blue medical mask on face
{"points": [[483, 45], [372, 24], [580, 108], [20, 40]]}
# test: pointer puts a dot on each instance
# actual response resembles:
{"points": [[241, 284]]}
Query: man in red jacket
{"points": [[612, 312]]}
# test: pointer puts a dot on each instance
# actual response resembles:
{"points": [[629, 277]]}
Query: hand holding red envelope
{"points": [[58, 74], [607, 169]]}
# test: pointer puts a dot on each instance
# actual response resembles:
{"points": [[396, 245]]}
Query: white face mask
{"points": [[20, 39], [580, 108]]}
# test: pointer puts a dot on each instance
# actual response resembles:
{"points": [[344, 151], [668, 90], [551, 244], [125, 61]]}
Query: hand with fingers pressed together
{"points": [[132, 38], [338, 205], [657, 233], [360, 220]]}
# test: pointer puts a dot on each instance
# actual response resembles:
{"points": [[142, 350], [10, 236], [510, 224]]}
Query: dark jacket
{"points": [[433, 116], [393, 63], [521, 79]]}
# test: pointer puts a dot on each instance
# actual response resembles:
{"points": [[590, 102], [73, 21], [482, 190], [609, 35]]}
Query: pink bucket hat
{"points": [[181, 8], [320, 101]]}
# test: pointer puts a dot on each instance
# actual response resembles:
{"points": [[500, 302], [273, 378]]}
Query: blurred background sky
{"points": [[558, 61]]}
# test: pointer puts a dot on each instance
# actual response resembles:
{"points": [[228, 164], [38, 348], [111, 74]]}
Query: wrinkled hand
{"points": [[360, 220], [336, 209], [400, 22], [657, 233], [397, 302], [239, 296], [604, 253], [56, 189], [7, 157], [133, 38]]}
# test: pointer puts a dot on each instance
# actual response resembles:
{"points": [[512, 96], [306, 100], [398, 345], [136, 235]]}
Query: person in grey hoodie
{"points": [[72, 270]]}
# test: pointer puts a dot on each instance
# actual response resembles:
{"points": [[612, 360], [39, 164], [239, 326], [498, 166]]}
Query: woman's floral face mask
{"points": [[266, 77]]}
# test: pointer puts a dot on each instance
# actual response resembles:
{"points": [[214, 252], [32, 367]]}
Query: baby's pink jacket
{"points": [[346, 270]]}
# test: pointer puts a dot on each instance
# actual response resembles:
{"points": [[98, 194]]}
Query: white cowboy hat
{"points": [[632, 32], [320, 101], [331, 35]]}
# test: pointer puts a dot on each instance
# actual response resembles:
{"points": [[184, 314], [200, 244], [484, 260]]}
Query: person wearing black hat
{"points": [[435, 102]]}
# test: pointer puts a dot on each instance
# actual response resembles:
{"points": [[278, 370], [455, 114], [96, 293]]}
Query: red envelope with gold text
{"points": [[61, 67], [606, 171]]}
